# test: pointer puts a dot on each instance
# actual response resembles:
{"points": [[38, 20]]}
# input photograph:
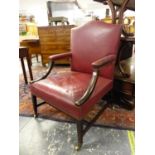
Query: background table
{"points": [[23, 53]]}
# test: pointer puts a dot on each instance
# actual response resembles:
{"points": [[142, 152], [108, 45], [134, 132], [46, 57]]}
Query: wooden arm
{"points": [[60, 56], [103, 61], [96, 66], [89, 90], [51, 64]]}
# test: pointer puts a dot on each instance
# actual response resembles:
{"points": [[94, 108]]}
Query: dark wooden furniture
{"points": [[54, 40], [23, 53], [76, 91], [127, 50], [124, 83], [33, 45]]}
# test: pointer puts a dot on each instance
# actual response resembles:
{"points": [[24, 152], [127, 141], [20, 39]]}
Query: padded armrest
{"points": [[101, 62], [60, 56]]}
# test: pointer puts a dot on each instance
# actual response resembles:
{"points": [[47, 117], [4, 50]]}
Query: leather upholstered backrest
{"points": [[91, 42]]}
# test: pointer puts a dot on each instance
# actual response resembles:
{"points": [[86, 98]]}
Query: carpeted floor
{"points": [[114, 116]]}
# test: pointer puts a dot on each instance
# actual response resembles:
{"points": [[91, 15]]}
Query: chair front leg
{"points": [[79, 135], [34, 101]]}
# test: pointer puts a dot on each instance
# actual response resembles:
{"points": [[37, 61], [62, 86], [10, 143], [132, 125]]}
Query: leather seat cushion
{"points": [[62, 89]]}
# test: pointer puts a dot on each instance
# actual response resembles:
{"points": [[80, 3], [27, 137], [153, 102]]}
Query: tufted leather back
{"points": [[91, 42]]}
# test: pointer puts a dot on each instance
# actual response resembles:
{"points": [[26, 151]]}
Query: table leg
{"points": [[37, 57], [29, 67], [24, 72]]}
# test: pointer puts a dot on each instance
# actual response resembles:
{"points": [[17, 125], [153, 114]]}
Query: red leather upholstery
{"points": [[62, 90], [91, 42]]}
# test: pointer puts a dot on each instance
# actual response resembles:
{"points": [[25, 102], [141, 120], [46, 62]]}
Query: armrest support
{"points": [[96, 66], [51, 64], [103, 61], [89, 90]]}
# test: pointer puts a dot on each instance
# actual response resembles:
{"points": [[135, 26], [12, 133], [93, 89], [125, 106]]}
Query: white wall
{"points": [[38, 8]]}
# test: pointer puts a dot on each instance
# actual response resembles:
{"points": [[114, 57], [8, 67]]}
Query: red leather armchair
{"points": [[93, 53]]}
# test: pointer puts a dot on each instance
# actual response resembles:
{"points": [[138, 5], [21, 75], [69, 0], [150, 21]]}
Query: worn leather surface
{"points": [[62, 90], [91, 42]]}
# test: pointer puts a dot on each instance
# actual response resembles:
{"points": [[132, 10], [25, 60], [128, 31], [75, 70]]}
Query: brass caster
{"points": [[77, 147], [35, 116]]}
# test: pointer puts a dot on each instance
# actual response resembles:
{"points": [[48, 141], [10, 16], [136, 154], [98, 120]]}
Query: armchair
{"points": [[93, 54]]}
